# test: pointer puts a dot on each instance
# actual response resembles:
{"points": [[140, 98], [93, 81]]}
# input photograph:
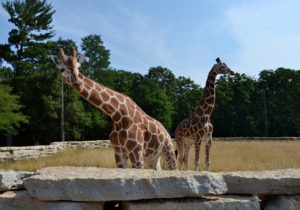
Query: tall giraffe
{"points": [[135, 135], [197, 127]]}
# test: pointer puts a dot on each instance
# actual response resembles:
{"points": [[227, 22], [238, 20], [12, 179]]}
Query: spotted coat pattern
{"points": [[135, 135], [197, 127]]}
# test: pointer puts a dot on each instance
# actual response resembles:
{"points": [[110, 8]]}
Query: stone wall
{"points": [[131, 189], [26, 152]]}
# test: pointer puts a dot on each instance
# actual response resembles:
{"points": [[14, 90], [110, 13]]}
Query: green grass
{"points": [[225, 156]]}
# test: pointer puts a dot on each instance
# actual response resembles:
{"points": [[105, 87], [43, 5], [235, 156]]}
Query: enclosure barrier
{"points": [[99, 188]]}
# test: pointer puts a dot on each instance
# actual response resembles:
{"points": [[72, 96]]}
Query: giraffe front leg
{"points": [[197, 154], [121, 160], [137, 157], [207, 153]]}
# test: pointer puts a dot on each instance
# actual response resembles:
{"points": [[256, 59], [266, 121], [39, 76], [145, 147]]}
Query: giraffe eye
{"points": [[61, 70]]}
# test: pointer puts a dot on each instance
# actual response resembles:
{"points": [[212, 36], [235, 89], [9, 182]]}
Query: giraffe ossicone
{"points": [[198, 128], [135, 135]]}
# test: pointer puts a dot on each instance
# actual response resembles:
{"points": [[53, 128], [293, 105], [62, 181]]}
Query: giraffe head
{"points": [[68, 65], [222, 68]]}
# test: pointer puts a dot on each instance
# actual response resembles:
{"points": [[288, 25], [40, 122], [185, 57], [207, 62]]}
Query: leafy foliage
{"points": [[31, 93], [10, 116]]}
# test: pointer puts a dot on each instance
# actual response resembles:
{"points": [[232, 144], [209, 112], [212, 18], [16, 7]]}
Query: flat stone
{"points": [[103, 184], [284, 203], [15, 200], [285, 181], [207, 202], [12, 180]]}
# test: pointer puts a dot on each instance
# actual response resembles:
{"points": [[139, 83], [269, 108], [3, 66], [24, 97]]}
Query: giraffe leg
{"points": [[207, 153], [121, 161], [155, 164], [180, 149], [137, 158], [197, 154], [187, 147]]}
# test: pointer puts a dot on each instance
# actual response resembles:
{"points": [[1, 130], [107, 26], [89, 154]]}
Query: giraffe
{"points": [[135, 135], [197, 127]]}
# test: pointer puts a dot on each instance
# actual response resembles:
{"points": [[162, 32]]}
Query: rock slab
{"points": [[103, 184], [277, 182], [15, 200], [206, 202], [284, 203], [12, 180]]}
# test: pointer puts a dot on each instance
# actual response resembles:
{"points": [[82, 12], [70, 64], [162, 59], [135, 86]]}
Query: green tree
{"points": [[97, 56], [152, 99], [10, 116], [165, 78], [26, 47], [238, 110], [187, 96], [282, 93]]}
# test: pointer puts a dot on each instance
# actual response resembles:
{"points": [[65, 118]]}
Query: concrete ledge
{"points": [[12, 180], [206, 202], [15, 200], [102, 184], [285, 181]]}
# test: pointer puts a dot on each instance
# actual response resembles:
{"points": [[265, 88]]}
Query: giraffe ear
{"points": [[55, 59], [80, 58]]}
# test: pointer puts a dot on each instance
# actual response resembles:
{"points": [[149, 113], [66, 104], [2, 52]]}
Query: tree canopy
{"points": [[31, 92]]}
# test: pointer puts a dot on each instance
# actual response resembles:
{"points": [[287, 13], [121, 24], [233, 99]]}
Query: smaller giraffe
{"points": [[135, 135], [197, 127]]}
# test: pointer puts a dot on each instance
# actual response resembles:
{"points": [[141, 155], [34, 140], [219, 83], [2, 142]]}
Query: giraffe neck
{"points": [[98, 95], [207, 102]]}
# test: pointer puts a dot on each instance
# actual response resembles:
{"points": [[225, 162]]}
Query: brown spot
{"points": [[114, 138], [88, 83], [117, 116], [137, 118], [123, 109], [110, 92], [117, 149], [201, 132], [120, 97], [130, 144], [161, 137], [84, 93], [139, 136], [209, 109], [105, 96], [152, 127], [131, 112], [133, 131], [146, 135], [142, 127], [95, 98], [114, 102], [80, 76], [122, 136], [108, 109], [98, 87], [126, 122], [129, 103], [154, 143], [210, 100], [195, 120]]}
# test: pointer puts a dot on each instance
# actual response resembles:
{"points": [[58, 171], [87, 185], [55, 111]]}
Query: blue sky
{"points": [[184, 36]]}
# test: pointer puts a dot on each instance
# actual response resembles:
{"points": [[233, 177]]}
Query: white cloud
{"points": [[268, 33]]}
